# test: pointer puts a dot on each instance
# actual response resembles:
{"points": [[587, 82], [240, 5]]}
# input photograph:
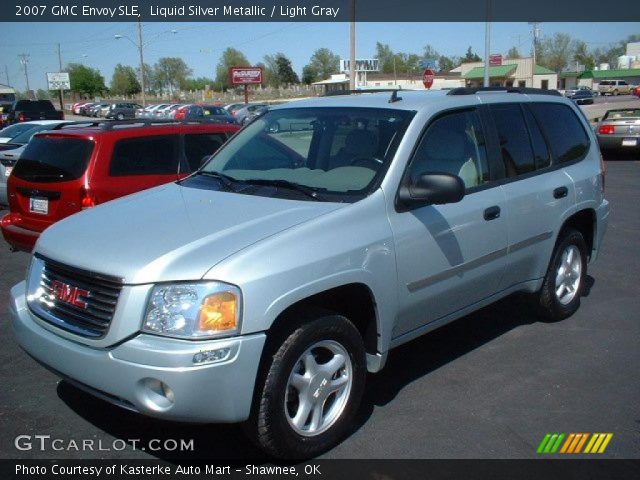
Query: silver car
{"points": [[325, 233], [620, 129]]}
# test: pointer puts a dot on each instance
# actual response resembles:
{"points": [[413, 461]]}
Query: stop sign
{"points": [[427, 78]]}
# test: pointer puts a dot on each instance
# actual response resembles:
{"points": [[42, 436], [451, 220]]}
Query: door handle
{"points": [[560, 192], [492, 213]]}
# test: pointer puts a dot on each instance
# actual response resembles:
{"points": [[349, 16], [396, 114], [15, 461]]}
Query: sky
{"points": [[201, 44]]}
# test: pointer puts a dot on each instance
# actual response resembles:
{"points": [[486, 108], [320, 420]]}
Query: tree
{"points": [[196, 84], [270, 71], [171, 72], [582, 56], [448, 63], [323, 63], [85, 80], [556, 52], [124, 81], [385, 57], [513, 53], [230, 58], [286, 75], [470, 56], [150, 83]]}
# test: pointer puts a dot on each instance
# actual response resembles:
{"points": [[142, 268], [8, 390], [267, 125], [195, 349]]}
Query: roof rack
{"points": [[523, 90], [147, 122], [356, 92], [87, 123]]}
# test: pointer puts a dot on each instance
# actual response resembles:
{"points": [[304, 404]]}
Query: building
{"points": [[442, 80], [591, 78], [515, 72]]}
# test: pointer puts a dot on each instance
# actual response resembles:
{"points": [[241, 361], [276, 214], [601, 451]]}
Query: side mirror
{"points": [[432, 189]]}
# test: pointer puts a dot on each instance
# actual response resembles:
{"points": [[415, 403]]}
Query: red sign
{"points": [[245, 75], [495, 60], [427, 78]]}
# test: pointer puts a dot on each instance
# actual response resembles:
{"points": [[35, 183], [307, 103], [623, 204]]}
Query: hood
{"points": [[170, 233]]}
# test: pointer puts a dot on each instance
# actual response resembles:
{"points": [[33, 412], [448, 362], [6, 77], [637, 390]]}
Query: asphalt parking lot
{"points": [[490, 385]]}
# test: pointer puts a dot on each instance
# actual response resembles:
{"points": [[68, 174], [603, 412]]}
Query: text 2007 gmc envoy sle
{"points": [[263, 287]]}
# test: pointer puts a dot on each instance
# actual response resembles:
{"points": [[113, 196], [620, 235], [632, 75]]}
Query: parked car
{"points": [[75, 108], [28, 110], [636, 91], [245, 111], [122, 111], [203, 112], [572, 91], [10, 151], [95, 110], [264, 287], [84, 109], [256, 113], [613, 87], [581, 96], [7, 97], [232, 107], [620, 129], [63, 172]]}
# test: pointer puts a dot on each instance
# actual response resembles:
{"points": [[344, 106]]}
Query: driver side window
{"points": [[453, 144]]}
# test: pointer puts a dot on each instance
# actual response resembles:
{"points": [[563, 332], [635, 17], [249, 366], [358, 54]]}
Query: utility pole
{"points": [[352, 47], [24, 60], [60, 70], [140, 48], [487, 45], [6, 72], [535, 31]]}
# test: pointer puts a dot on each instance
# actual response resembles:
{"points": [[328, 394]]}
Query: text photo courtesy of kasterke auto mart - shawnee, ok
{"points": [[319, 238]]}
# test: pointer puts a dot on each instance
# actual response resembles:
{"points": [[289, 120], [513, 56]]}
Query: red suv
{"points": [[64, 171]]}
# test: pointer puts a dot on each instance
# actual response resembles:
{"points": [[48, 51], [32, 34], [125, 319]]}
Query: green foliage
{"points": [[471, 56], [322, 65], [230, 58], [85, 80], [286, 75], [513, 53], [171, 72], [124, 81]]}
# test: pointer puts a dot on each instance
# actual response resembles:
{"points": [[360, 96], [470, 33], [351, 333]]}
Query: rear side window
{"points": [[198, 146], [156, 155], [565, 134], [540, 150], [513, 136], [53, 159]]}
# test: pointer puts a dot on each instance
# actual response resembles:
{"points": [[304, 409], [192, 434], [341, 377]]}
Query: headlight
{"points": [[193, 310]]}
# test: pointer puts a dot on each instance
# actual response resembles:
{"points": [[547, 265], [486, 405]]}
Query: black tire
{"points": [[120, 116], [269, 426], [550, 306]]}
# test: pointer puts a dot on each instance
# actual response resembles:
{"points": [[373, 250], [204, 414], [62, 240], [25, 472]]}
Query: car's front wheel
{"points": [[311, 388], [564, 282]]}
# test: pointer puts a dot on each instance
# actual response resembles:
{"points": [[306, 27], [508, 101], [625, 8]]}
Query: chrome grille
{"points": [[75, 300]]}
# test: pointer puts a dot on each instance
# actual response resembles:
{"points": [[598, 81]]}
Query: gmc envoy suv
{"points": [[262, 288]]}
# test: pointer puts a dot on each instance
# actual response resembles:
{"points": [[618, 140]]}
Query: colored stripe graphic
{"points": [[574, 442]]}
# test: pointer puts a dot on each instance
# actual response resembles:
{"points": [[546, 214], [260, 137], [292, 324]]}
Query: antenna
{"points": [[394, 97]]}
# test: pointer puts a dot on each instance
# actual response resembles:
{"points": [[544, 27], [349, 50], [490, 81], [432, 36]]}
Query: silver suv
{"points": [[264, 287], [614, 87]]}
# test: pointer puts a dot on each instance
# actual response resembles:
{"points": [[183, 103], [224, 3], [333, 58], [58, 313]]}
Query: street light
{"points": [[140, 46]]}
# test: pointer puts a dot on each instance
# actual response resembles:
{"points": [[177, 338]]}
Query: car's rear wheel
{"points": [[120, 116], [563, 284], [311, 388], [616, 93]]}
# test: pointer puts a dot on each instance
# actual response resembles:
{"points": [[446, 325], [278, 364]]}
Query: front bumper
{"points": [[150, 374]]}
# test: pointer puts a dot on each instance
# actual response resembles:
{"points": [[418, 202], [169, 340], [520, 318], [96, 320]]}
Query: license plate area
{"points": [[39, 205], [629, 142], [7, 171]]}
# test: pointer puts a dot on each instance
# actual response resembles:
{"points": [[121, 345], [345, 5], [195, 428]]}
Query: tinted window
{"points": [[540, 150], [13, 131], [213, 111], [197, 146], [513, 136], [155, 155], [453, 144], [53, 159], [566, 136]]}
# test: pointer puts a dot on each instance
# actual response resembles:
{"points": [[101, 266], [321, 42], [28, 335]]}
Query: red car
{"points": [[65, 171], [636, 91]]}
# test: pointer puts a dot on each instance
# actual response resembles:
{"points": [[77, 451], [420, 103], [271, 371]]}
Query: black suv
{"points": [[121, 111]]}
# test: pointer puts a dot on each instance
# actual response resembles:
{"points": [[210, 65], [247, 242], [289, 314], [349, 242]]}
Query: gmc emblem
{"points": [[69, 294]]}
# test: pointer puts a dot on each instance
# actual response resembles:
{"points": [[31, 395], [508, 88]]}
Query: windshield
{"points": [[334, 152], [53, 159], [632, 113]]}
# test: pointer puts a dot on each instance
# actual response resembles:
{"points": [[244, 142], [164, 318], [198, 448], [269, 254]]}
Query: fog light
{"points": [[211, 356]]}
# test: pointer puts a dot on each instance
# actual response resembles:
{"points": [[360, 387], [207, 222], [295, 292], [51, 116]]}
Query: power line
{"points": [[24, 60]]}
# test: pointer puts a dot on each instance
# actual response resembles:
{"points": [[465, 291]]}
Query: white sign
{"points": [[58, 81], [362, 65]]}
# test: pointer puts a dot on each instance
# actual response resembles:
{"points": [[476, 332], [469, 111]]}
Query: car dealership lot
{"points": [[490, 385]]}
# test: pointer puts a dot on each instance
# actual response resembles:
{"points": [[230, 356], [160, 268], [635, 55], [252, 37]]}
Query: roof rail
{"points": [[356, 92], [87, 123], [148, 122], [523, 90]]}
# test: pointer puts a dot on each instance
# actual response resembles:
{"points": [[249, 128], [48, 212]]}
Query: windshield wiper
{"points": [[226, 180], [296, 187]]}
